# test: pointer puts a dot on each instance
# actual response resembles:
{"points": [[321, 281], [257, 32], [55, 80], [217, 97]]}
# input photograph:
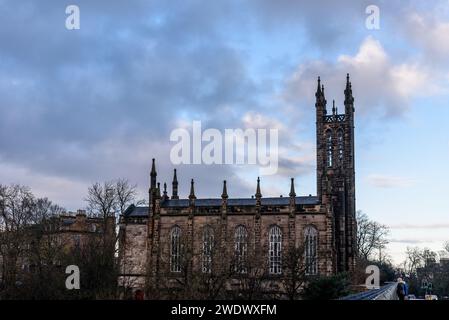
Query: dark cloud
{"points": [[100, 102]]}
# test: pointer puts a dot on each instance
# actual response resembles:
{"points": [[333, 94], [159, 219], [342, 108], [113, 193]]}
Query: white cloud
{"points": [[430, 34], [381, 87], [387, 181], [420, 226], [411, 241]]}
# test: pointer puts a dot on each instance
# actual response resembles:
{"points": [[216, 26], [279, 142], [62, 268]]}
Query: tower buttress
{"points": [[349, 164], [320, 108]]}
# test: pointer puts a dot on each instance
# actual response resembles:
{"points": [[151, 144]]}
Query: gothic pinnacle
{"points": [[153, 168], [175, 186], [318, 90], [158, 191], [224, 195], [292, 188], [192, 191], [165, 197], [258, 194]]}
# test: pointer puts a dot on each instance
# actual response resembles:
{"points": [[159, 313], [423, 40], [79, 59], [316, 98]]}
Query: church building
{"points": [[172, 240]]}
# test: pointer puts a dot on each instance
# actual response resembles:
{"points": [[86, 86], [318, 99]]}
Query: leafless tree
{"points": [[211, 280], [371, 236], [125, 194], [31, 250], [107, 201], [16, 205], [46, 253], [414, 260], [250, 275], [294, 271], [164, 280]]}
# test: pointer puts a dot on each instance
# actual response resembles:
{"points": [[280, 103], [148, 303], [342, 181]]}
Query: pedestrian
{"points": [[401, 289]]}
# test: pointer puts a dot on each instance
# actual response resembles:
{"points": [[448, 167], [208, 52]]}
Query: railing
{"points": [[386, 292]]}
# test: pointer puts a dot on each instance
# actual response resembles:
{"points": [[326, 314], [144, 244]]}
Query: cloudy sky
{"points": [[94, 104]]}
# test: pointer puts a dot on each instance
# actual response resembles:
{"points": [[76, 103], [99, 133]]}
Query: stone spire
{"points": [[334, 110], [175, 186], [224, 201], [152, 190], [224, 195], [192, 191], [349, 99], [292, 188], [320, 102], [153, 175], [158, 191], [258, 194], [165, 196], [292, 195]]}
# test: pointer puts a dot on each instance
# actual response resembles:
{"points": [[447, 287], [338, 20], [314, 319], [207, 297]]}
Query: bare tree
{"points": [[102, 199], [414, 260], [371, 236], [31, 250], [46, 253], [214, 272], [16, 205], [106, 201], [125, 194], [250, 274], [172, 278], [446, 246], [294, 271]]}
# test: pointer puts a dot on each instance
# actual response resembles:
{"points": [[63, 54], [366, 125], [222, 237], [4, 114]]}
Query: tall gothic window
{"points": [[175, 249], [329, 147], [241, 248], [340, 141], [311, 242], [208, 239], [275, 250]]}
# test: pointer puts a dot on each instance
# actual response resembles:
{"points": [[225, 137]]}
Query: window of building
{"points": [[311, 242], [175, 249], [275, 250], [329, 147], [241, 248], [208, 239], [340, 140]]}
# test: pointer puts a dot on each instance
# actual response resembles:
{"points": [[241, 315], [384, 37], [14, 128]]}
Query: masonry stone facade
{"points": [[154, 239]]}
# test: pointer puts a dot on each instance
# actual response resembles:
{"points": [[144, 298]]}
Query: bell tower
{"points": [[336, 174]]}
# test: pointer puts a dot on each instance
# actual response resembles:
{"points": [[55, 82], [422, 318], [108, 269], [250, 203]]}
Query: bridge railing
{"points": [[386, 292]]}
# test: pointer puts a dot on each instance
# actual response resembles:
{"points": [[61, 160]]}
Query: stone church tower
{"points": [[336, 174]]}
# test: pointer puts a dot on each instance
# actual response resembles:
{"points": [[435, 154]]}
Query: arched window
{"points": [[208, 239], [311, 242], [175, 249], [340, 141], [241, 248], [329, 150], [275, 250]]}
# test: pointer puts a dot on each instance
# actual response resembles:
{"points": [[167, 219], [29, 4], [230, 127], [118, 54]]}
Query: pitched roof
{"points": [[140, 211]]}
